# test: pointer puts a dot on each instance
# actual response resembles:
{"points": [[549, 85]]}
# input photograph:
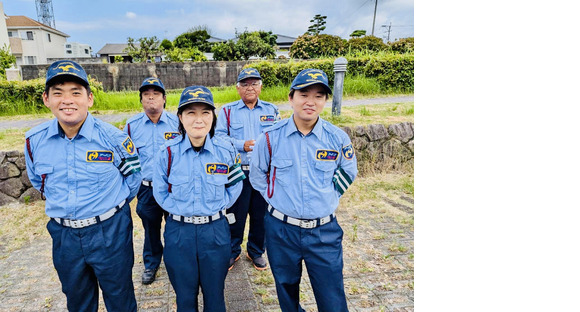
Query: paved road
{"points": [[18, 124]]}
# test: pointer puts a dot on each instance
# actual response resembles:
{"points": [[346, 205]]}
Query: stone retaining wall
{"points": [[128, 76], [377, 148]]}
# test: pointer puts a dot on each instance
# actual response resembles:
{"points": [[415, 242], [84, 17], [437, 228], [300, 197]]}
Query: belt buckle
{"points": [[200, 220], [76, 224], [308, 224]]}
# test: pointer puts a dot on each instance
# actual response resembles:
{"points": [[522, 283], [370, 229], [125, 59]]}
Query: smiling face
{"points": [[197, 120], [308, 103], [153, 101], [69, 102], [249, 90]]}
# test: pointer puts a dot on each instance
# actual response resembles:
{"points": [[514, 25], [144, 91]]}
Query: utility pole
{"points": [[389, 33], [374, 17]]}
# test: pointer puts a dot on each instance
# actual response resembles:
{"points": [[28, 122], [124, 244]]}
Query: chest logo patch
{"points": [[129, 146], [100, 156], [216, 168], [326, 155], [171, 135], [267, 118], [348, 151]]}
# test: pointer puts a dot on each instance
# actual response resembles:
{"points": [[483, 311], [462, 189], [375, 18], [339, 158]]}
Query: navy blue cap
{"points": [[249, 73], [196, 94], [66, 68], [308, 77], [152, 82]]}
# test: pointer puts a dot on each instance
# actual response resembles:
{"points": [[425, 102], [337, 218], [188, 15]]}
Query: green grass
{"points": [[355, 86]]}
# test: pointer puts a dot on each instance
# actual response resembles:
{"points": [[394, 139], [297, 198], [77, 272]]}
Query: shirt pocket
{"points": [[215, 187], [181, 187], [142, 150], [236, 130], [325, 171], [49, 181], [99, 176], [283, 171]]}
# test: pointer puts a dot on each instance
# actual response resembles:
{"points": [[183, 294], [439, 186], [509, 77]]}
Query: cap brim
{"points": [[151, 86], [308, 84], [250, 76], [197, 101], [70, 76]]}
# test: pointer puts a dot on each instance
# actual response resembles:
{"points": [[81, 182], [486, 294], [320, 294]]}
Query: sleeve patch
{"points": [[348, 151], [129, 146]]}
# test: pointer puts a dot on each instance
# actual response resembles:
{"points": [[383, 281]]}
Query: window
{"points": [[86, 51], [68, 52], [29, 35], [10, 34], [68, 46], [31, 60], [49, 38]]}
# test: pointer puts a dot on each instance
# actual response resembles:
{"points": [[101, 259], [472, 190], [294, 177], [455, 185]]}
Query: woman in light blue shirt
{"points": [[196, 179]]}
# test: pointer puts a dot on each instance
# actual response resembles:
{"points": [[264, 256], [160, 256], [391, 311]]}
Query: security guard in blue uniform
{"points": [[243, 121], [302, 165], [88, 171], [196, 179], [149, 131]]}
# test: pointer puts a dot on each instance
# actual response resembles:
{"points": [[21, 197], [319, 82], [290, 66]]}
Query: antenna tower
{"points": [[44, 12]]}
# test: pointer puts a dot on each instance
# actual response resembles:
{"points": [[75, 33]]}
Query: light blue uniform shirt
{"points": [[305, 165], [149, 137], [82, 178], [245, 124], [197, 179]]}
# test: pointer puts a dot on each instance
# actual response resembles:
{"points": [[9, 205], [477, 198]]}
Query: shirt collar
{"points": [[186, 144], [241, 104], [86, 129], [291, 127], [163, 118]]}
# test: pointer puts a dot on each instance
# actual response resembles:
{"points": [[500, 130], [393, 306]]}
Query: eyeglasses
{"points": [[254, 84]]}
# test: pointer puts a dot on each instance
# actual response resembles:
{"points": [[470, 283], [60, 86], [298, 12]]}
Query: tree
{"points": [[251, 44], [226, 51], [194, 37], [166, 44], [358, 33], [143, 51], [318, 25], [308, 46], [367, 43], [6, 60], [186, 54]]}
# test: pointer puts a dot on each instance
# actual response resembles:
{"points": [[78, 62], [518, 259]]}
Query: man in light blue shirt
{"points": [[88, 171], [149, 130], [242, 121], [302, 166]]}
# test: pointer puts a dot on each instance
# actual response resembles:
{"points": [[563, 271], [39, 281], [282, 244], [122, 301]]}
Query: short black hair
{"points": [[213, 124], [66, 78]]}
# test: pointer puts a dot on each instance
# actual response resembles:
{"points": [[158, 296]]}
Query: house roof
{"points": [[286, 39], [20, 21], [114, 48]]}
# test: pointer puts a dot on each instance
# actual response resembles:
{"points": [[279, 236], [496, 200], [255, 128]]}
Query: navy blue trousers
{"points": [[151, 215], [253, 204], [93, 256], [320, 249], [194, 256]]}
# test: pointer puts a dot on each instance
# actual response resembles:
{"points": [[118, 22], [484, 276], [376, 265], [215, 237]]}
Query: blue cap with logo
{"points": [[66, 68], [152, 82], [308, 77], [196, 94], [249, 73]]}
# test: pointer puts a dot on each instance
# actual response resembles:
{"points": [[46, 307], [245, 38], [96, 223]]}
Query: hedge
{"points": [[393, 71]]}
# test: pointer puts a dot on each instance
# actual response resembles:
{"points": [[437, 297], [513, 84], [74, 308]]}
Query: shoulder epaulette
{"points": [[37, 129], [277, 125], [135, 117]]}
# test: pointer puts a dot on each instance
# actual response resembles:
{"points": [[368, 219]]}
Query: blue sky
{"points": [[106, 21]]}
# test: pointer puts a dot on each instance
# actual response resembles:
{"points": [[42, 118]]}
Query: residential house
{"points": [[33, 42], [77, 50]]}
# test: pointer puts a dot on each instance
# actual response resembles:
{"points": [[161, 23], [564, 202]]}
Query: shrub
{"points": [[404, 45], [368, 43], [308, 46]]}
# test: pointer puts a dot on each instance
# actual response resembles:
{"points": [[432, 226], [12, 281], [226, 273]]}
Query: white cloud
{"points": [[131, 15]]}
